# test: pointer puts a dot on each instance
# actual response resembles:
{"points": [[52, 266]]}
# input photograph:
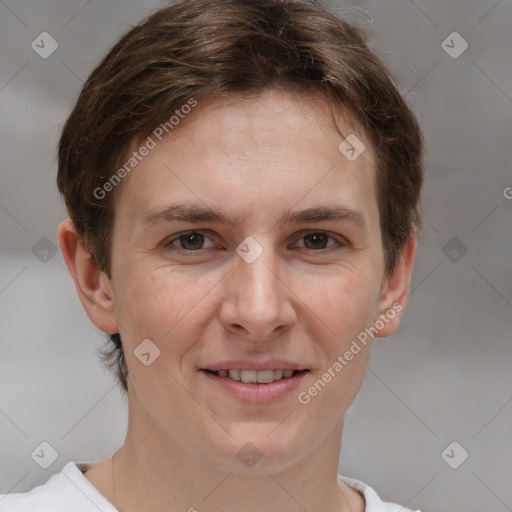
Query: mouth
{"points": [[253, 376], [255, 386]]}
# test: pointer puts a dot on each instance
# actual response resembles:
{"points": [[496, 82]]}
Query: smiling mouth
{"points": [[256, 377]]}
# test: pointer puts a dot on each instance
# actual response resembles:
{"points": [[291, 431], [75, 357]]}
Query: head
{"points": [[240, 107]]}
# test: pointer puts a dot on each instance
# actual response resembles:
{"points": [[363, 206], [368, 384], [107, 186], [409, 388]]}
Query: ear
{"points": [[93, 286], [395, 290]]}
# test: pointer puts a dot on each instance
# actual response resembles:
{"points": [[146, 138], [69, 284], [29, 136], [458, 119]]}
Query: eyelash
{"points": [[340, 243]]}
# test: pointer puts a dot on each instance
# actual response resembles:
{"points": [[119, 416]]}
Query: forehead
{"points": [[250, 155]]}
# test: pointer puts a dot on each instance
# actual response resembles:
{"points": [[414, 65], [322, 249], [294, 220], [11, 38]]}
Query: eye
{"points": [[194, 241], [189, 242], [318, 240]]}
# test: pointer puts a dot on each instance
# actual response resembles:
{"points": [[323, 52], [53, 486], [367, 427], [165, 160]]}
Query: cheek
{"points": [[174, 309], [159, 303], [345, 306], [166, 307], [345, 302]]}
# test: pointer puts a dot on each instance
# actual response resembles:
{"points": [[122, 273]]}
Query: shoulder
{"points": [[64, 491], [373, 502]]}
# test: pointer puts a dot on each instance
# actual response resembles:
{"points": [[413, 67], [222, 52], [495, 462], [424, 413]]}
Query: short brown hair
{"points": [[204, 50]]}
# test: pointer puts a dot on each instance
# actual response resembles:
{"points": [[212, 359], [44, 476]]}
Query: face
{"points": [[257, 284]]}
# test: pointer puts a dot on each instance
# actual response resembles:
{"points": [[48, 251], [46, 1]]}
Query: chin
{"points": [[258, 448]]}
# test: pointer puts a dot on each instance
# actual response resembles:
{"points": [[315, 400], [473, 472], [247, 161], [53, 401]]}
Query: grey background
{"points": [[445, 376]]}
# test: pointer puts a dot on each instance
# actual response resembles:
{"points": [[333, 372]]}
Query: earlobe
{"points": [[396, 289], [92, 286]]}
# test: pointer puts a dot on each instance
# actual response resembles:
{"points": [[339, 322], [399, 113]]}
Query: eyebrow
{"points": [[197, 213]]}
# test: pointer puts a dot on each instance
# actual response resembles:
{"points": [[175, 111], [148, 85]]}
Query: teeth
{"points": [[278, 374], [252, 376], [234, 374], [265, 377], [249, 376]]}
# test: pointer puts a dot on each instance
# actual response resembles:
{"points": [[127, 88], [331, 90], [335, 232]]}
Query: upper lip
{"points": [[275, 364]]}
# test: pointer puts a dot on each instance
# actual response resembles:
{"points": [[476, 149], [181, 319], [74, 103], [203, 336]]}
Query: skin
{"points": [[299, 300]]}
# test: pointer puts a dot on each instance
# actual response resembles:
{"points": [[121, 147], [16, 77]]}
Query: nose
{"points": [[258, 300]]}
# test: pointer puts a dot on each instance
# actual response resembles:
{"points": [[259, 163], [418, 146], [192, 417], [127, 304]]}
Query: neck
{"points": [[169, 484]]}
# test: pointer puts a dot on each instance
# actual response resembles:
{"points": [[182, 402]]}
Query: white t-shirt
{"points": [[70, 491]]}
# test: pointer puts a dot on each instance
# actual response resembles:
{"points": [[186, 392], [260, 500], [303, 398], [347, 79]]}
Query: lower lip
{"points": [[254, 392]]}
